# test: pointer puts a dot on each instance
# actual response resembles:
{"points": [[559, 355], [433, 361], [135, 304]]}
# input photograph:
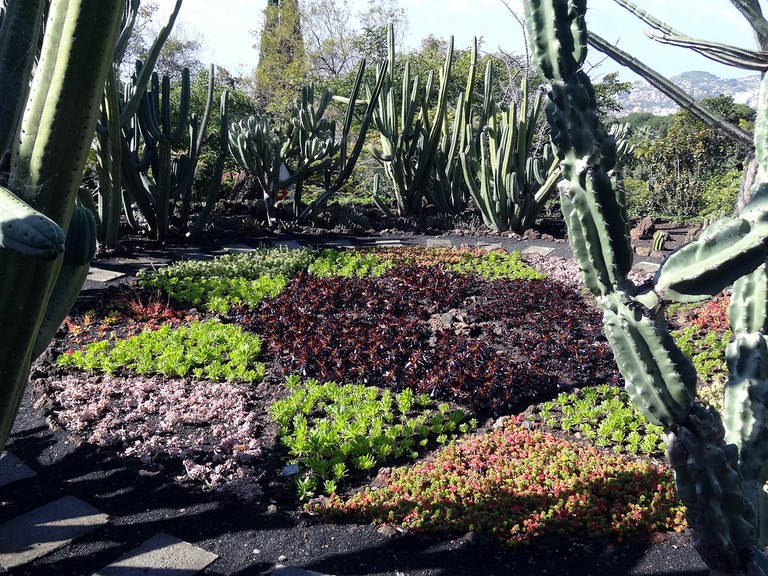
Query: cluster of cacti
{"points": [[720, 464], [448, 191], [508, 183], [155, 178], [488, 156], [409, 134], [50, 124], [118, 107], [305, 146]]}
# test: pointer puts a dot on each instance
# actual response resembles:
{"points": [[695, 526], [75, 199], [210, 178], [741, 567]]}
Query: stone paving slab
{"points": [[197, 255], [339, 243], [538, 250], [438, 243], [238, 248], [12, 469], [46, 529], [281, 570], [100, 275], [389, 243], [649, 266], [490, 247], [161, 555]]}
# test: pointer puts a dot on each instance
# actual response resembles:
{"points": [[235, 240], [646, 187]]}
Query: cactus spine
{"points": [[50, 150], [720, 473]]}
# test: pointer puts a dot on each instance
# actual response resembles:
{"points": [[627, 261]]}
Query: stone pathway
{"points": [[55, 525]]}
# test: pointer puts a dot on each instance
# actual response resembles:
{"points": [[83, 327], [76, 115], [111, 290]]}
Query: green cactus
{"points": [[448, 191], [307, 145], [155, 178], [410, 135], [51, 143], [507, 183], [659, 241], [218, 169], [719, 463], [118, 107]]}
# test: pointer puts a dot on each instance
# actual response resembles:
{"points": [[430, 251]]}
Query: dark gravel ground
{"points": [[251, 539]]}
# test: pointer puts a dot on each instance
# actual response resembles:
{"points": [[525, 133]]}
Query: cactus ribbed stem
{"points": [[720, 474], [56, 133]]}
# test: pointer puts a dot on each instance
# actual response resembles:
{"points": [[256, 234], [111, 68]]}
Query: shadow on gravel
{"points": [[412, 555]]}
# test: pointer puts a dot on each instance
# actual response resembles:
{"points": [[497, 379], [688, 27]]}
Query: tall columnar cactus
{"points": [[719, 463], [508, 184], [410, 134], [118, 107], [51, 143], [154, 177], [218, 168], [448, 191]]}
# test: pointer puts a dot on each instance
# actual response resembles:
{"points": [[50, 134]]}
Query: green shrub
{"points": [[330, 429], [720, 192], [639, 197], [497, 265], [208, 350], [346, 263]]}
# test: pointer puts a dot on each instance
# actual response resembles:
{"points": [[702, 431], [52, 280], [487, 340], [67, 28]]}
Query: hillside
{"points": [[645, 98]]}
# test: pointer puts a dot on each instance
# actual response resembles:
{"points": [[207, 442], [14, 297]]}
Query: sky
{"points": [[225, 28]]}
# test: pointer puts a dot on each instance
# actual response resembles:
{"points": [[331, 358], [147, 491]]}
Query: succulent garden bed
{"points": [[432, 389]]}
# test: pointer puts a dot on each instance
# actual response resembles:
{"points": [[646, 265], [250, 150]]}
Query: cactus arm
{"points": [[208, 108], [660, 380], [135, 187], [729, 249], [27, 232], [20, 29], [669, 89], [80, 248], [723, 53], [218, 170], [109, 158], [130, 14], [750, 9]]}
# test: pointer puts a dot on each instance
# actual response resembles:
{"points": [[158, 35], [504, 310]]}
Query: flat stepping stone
{"points": [[238, 248], [438, 243], [12, 469], [340, 243], [648, 266], [281, 570], [539, 250], [490, 247], [196, 256], [45, 529], [389, 242], [96, 274], [161, 555]]}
